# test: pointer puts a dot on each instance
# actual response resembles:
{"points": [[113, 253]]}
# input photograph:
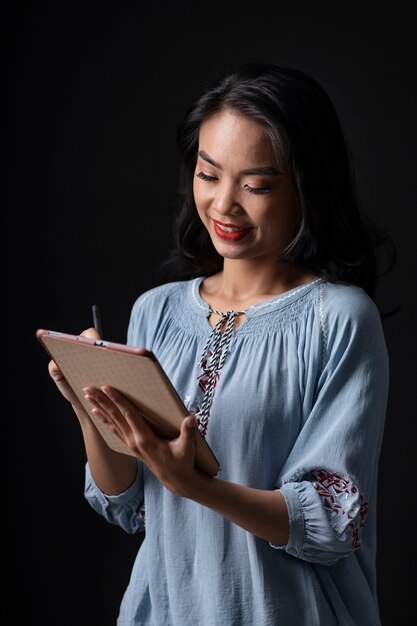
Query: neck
{"points": [[243, 279], [243, 283]]}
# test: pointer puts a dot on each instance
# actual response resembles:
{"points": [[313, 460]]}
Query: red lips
{"points": [[236, 234]]}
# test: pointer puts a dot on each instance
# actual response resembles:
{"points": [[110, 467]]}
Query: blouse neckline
{"points": [[260, 308]]}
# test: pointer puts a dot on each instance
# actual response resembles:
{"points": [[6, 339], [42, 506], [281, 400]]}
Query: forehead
{"points": [[231, 136]]}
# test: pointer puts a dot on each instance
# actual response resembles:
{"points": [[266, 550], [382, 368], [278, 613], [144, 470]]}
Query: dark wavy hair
{"points": [[334, 238]]}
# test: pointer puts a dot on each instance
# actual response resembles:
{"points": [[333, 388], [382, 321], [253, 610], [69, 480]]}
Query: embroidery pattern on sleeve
{"points": [[344, 503]]}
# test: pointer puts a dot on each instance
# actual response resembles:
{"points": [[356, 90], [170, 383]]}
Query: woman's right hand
{"points": [[60, 380]]}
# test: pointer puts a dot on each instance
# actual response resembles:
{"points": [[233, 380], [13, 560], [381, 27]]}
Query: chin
{"points": [[232, 250], [228, 253]]}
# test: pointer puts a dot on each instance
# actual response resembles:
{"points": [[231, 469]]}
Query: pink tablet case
{"points": [[86, 362]]}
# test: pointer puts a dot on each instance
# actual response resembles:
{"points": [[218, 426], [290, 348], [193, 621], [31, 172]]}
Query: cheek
{"points": [[199, 201], [279, 221], [201, 194], [196, 192], [287, 211], [195, 187]]}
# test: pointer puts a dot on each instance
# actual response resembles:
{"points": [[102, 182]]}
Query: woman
{"points": [[272, 339]]}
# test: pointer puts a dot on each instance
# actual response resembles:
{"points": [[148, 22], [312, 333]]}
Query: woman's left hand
{"points": [[171, 461]]}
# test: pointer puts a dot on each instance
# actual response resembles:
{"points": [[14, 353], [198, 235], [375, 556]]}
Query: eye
{"points": [[204, 176], [259, 190]]}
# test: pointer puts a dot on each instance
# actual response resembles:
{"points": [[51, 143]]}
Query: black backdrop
{"points": [[94, 93]]}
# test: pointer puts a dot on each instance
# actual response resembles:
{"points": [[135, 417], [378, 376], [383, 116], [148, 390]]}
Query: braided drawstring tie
{"points": [[212, 360]]}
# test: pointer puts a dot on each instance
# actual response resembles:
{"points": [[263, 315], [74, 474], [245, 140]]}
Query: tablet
{"points": [[136, 373]]}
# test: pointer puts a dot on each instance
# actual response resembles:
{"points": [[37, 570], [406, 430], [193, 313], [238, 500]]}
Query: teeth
{"points": [[227, 229]]}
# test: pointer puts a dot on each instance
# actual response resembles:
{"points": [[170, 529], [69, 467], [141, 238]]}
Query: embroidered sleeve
{"points": [[329, 480], [326, 516], [343, 502]]}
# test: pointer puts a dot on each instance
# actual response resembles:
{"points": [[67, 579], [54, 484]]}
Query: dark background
{"points": [[93, 96]]}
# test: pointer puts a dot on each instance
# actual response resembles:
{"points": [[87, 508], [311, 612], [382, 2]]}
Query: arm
{"points": [[258, 511], [261, 512], [112, 472], [329, 480]]}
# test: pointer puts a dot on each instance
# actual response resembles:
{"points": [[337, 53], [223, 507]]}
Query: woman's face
{"points": [[243, 196]]}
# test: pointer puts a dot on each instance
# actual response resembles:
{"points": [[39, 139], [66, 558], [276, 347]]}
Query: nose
{"points": [[225, 200]]}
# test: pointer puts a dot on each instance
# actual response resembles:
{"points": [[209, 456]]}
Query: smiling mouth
{"points": [[230, 232]]}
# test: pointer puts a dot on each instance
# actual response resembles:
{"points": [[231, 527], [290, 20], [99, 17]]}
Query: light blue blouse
{"points": [[299, 406]]}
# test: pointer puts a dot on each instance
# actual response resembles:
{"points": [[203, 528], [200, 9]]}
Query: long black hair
{"points": [[334, 238]]}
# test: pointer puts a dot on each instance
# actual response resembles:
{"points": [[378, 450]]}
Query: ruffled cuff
{"points": [[316, 531], [295, 518], [124, 509]]}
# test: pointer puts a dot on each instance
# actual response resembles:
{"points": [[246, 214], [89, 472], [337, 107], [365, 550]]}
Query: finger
{"points": [[96, 408], [54, 371], [91, 333], [129, 411], [188, 425], [105, 417], [187, 433], [142, 437], [110, 425], [99, 400], [124, 416]]}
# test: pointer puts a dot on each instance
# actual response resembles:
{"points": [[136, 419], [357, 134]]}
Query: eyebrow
{"points": [[252, 171]]}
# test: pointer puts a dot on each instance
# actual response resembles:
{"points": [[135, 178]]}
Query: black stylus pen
{"points": [[96, 319]]}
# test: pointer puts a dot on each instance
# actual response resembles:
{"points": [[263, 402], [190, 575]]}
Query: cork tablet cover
{"points": [[88, 362]]}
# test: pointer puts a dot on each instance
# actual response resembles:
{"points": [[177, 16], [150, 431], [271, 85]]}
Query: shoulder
{"points": [[153, 309], [159, 300], [350, 320], [158, 295], [347, 303]]}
